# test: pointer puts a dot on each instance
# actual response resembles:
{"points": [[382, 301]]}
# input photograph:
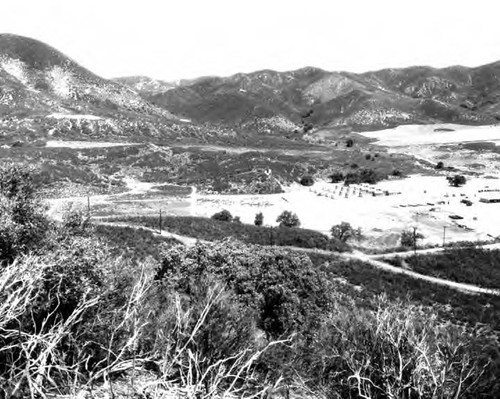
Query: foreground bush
{"points": [[402, 350], [283, 289], [23, 224]]}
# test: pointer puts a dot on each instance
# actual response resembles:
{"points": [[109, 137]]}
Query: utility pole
{"points": [[160, 221], [444, 235], [414, 240]]}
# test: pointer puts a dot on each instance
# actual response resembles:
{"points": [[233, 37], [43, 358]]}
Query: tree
{"points": [[288, 219], [456, 181], [409, 238], [349, 143], [336, 177], [307, 181], [223, 216], [439, 165], [344, 232], [259, 219]]}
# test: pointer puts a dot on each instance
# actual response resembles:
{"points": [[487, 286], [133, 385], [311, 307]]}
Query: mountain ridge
{"points": [[370, 100], [37, 81]]}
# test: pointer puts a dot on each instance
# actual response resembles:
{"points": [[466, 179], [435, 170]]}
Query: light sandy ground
{"points": [[382, 218], [74, 116], [426, 134], [84, 144]]}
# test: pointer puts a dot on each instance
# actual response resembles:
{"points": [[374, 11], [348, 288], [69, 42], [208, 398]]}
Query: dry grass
{"points": [[36, 364]]}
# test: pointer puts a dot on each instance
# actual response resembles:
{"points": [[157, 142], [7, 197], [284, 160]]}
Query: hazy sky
{"points": [[169, 39]]}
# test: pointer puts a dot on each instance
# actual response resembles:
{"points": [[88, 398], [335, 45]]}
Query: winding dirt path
{"points": [[187, 241], [426, 251], [356, 255]]}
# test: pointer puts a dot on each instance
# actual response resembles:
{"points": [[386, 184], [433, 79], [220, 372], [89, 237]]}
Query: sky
{"points": [[171, 40]]}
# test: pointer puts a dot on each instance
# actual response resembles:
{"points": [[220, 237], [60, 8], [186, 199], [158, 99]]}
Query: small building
{"points": [[490, 197]]}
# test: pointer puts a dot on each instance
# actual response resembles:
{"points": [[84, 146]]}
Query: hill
{"points": [[44, 93], [310, 97], [36, 78]]}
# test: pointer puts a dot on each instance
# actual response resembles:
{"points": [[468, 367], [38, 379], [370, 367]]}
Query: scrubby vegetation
{"points": [[451, 304], [363, 175], [465, 265], [210, 229], [133, 243], [224, 319]]}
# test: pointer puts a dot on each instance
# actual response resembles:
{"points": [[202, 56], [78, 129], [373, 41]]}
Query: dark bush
{"points": [[259, 219], [288, 219], [307, 181], [336, 177], [223, 216], [283, 288]]}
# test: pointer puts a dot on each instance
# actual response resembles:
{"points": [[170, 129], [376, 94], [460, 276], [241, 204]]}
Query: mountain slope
{"points": [[44, 93], [36, 77], [311, 97]]}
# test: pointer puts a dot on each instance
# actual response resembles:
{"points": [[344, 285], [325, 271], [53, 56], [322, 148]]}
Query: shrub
{"points": [[456, 181], [288, 219], [336, 177], [397, 349], [223, 216], [344, 232], [281, 288], [259, 219], [307, 181], [409, 238], [369, 176], [23, 224]]}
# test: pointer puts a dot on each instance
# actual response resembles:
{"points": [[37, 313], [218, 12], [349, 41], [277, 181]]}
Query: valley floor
{"points": [[383, 211]]}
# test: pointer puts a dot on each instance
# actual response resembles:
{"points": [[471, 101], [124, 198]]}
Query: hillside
{"points": [[312, 98], [146, 84], [37, 78], [44, 93]]}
